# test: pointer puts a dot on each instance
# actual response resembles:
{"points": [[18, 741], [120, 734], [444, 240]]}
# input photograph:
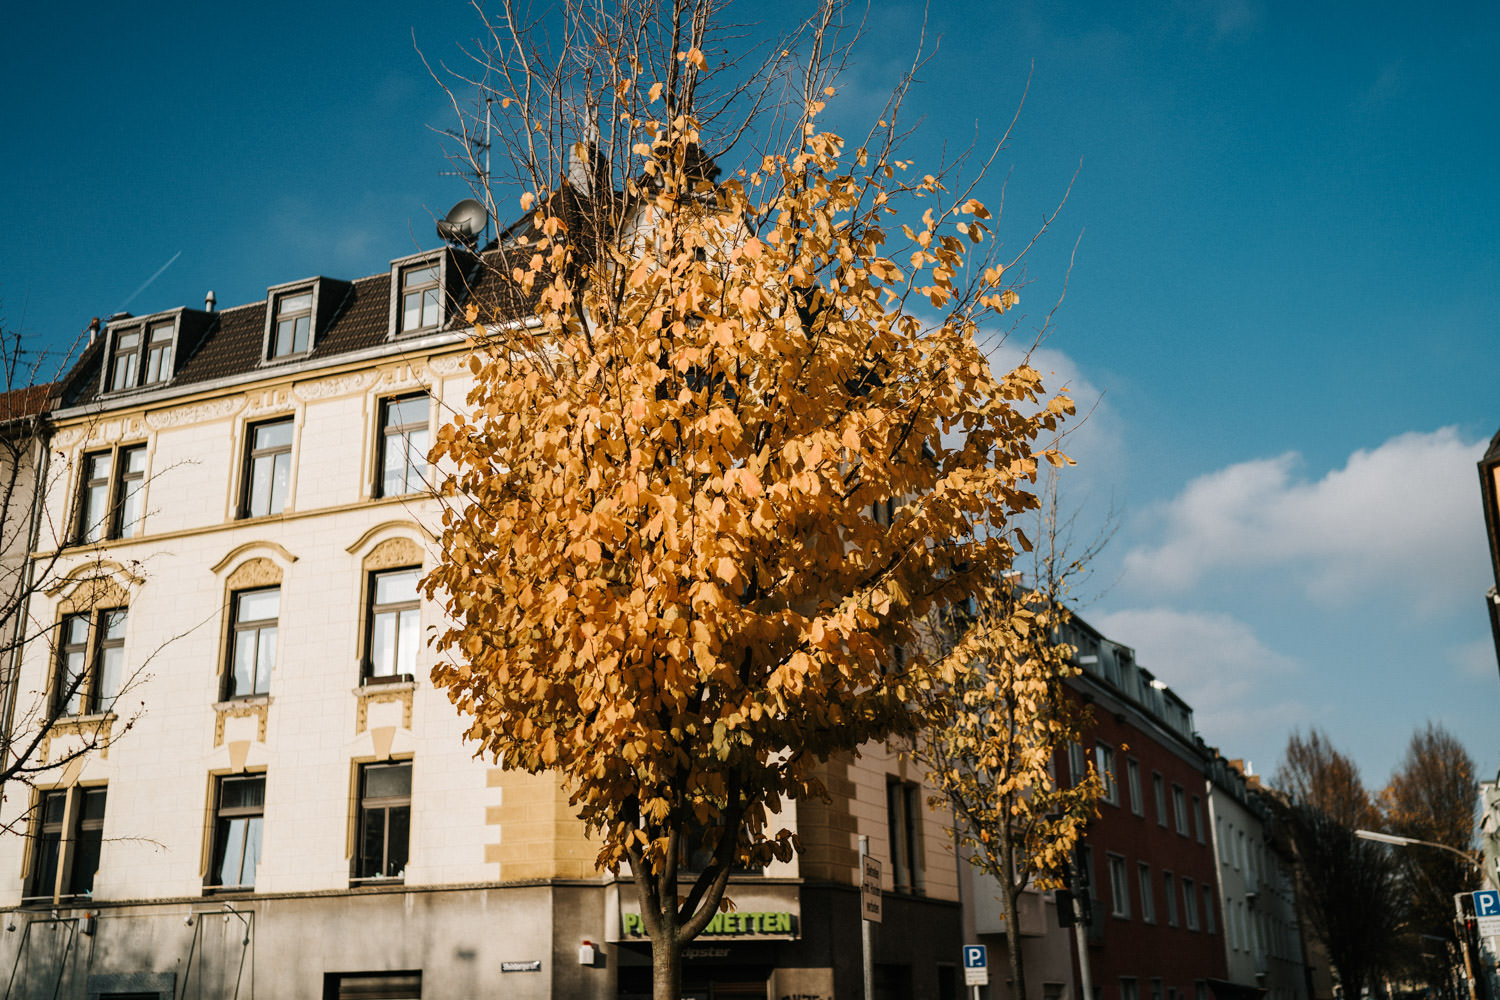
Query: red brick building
{"points": [[1155, 932]]}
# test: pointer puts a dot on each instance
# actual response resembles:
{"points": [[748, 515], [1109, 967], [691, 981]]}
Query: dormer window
{"points": [[126, 359], [158, 353], [420, 298], [144, 353], [293, 324]]}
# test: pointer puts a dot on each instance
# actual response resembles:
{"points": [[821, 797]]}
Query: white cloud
{"points": [[1235, 684], [1403, 518]]}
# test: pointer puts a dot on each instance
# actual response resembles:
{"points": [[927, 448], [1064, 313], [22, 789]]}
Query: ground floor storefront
{"points": [[783, 940]]}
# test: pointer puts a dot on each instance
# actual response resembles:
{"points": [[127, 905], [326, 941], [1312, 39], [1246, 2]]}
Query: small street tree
{"points": [[1353, 894], [992, 742], [672, 557], [1432, 796]]}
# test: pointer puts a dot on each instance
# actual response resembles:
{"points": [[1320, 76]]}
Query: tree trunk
{"points": [[1012, 921], [666, 969]]}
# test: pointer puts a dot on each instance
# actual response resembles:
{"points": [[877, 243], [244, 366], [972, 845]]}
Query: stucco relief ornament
{"points": [[181, 416], [341, 385], [67, 437], [271, 400], [448, 364], [409, 374]]}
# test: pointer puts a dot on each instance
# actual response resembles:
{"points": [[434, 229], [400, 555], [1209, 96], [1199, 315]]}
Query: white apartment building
{"points": [[282, 802]]}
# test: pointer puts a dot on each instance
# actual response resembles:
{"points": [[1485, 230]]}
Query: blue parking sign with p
{"points": [[975, 958], [1487, 903]]}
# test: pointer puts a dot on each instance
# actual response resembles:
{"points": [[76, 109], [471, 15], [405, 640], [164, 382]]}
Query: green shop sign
{"points": [[734, 924]]}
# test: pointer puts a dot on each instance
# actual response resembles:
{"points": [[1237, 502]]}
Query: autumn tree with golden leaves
{"points": [[668, 553]]}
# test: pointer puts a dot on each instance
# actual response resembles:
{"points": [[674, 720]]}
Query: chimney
{"points": [[209, 301], [93, 329]]}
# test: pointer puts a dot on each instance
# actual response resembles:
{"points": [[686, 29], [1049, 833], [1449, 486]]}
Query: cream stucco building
{"points": [[284, 805]]}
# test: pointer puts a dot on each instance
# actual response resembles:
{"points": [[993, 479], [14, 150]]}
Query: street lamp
{"points": [[1399, 841]]}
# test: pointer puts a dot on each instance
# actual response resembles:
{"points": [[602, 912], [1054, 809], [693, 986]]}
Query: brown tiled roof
{"points": [[27, 401]]}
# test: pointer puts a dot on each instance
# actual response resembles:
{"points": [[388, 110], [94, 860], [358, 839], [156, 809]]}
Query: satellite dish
{"points": [[464, 223]]}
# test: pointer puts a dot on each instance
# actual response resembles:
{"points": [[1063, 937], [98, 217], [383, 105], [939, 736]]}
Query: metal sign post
{"points": [[869, 910]]}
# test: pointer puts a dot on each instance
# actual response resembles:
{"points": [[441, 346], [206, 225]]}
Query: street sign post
{"points": [[976, 966], [1487, 912]]}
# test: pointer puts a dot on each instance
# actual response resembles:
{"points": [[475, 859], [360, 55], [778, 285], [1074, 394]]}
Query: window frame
{"points": [[1198, 818], [74, 830], [274, 320], [372, 610], [438, 262], [386, 804], [1104, 759], [1169, 894], [1209, 926], [118, 484], [1179, 810], [1159, 792], [1133, 779], [95, 648], [222, 818], [1119, 885], [252, 454], [386, 431], [903, 804], [157, 350], [239, 625], [1189, 903], [1148, 892]]}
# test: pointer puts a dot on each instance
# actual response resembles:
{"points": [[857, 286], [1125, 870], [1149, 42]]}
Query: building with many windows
{"points": [[280, 800]]}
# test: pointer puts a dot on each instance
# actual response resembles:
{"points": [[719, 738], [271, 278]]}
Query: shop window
{"points": [[372, 986]]}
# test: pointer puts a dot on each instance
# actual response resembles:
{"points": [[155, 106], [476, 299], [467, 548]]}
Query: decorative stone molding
{"points": [[197, 413], [67, 437], [371, 694], [99, 584], [95, 730], [388, 527], [257, 706], [279, 551], [340, 385], [258, 572], [411, 374], [391, 553], [448, 364]]}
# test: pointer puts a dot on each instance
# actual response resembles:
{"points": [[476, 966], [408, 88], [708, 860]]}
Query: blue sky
{"points": [[1283, 300]]}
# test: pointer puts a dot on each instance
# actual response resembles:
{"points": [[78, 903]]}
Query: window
{"points": [[376, 986], [384, 820], [1238, 850], [903, 801], [1077, 763], [420, 298], [403, 445], [1189, 904], [1119, 887], [252, 641], [1169, 892], [1208, 909], [89, 672], [1159, 790], [1105, 758], [81, 846], [237, 829], [1129, 988], [1179, 809], [395, 626], [158, 353], [1155, 989], [109, 495], [125, 360], [268, 468], [293, 325], [1148, 897], [1198, 818], [1133, 775]]}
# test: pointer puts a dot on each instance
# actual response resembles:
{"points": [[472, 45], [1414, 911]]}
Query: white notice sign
{"points": [[869, 890]]}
